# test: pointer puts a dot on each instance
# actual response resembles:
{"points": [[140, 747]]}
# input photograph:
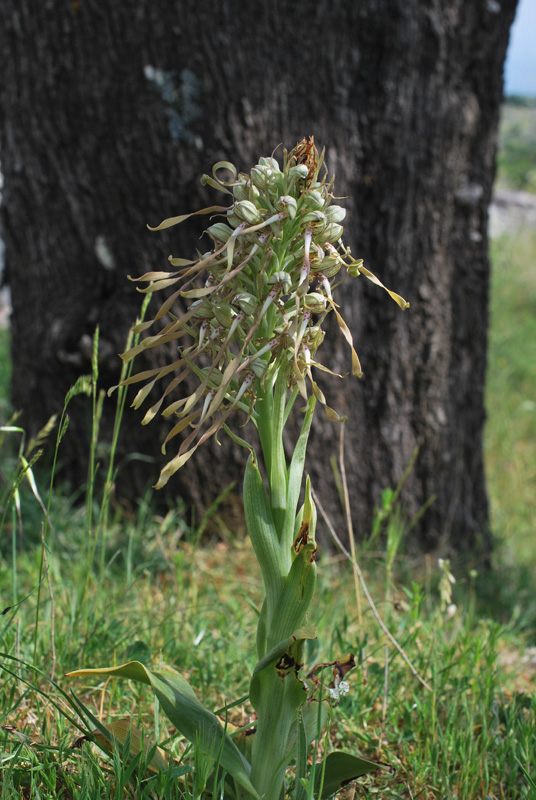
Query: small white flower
{"points": [[336, 692], [200, 636]]}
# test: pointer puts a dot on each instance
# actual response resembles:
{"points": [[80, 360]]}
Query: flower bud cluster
{"points": [[257, 299]]}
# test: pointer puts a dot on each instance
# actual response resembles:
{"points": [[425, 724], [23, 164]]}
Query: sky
{"points": [[520, 68]]}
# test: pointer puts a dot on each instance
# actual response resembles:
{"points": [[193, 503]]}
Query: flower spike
{"points": [[256, 302]]}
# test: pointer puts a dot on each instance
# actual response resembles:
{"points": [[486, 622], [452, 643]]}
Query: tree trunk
{"points": [[110, 114]]}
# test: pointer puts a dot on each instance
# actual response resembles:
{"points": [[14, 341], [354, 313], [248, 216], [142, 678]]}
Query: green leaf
{"points": [[263, 534], [183, 709], [286, 646], [277, 693], [295, 476], [340, 769], [314, 716], [295, 597], [276, 465], [301, 761]]}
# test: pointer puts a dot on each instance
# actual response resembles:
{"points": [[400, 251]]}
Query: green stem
{"points": [[289, 582], [295, 477], [270, 744]]}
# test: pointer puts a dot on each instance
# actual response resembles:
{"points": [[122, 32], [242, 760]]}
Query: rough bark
{"points": [[110, 113]]}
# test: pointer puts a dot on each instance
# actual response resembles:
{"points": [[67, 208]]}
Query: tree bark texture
{"points": [[110, 114]]}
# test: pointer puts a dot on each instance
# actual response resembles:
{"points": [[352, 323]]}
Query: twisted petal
{"points": [[396, 297], [168, 223]]}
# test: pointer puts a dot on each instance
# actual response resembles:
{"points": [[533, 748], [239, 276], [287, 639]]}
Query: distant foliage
{"points": [[516, 160]]}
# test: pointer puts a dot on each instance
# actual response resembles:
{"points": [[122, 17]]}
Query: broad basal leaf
{"points": [[188, 715]]}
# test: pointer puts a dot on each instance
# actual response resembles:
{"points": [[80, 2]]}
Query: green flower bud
{"points": [[287, 203], [232, 219], [330, 233], [315, 302], [203, 309], [335, 213], [246, 302], [280, 277], [212, 375], [220, 232], [317, 252], [314, 217], [245, 191], [241, 191], [314, 337], [314, 200], [328, 266], [300, 171], [258, 367], [260, 176], [224, 314], [270, 163], [246, 211]]}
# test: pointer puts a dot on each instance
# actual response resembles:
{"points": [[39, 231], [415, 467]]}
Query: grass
{"points": [[179, 607], [511, 397], [156, 590], [517, 155]]}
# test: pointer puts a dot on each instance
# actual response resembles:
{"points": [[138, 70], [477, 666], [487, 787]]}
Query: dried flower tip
{"points": [[306, 154]]}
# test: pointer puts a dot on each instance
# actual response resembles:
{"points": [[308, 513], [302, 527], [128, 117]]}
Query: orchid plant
{"points": [[256, 305]]}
